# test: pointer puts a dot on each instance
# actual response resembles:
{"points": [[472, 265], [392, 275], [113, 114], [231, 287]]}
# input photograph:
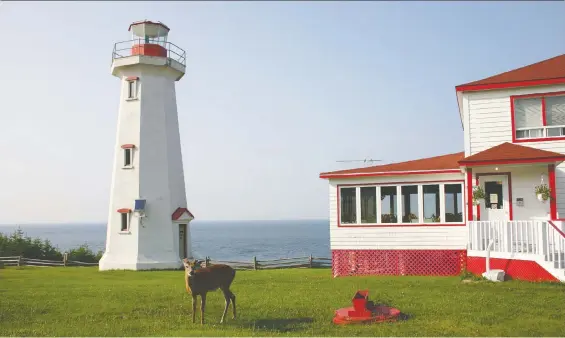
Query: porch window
{"points": [[348, 205], [539, 117], [410, 204], [418, 203], [431, 203], [369, 205], [388, 205], [453, 203]]}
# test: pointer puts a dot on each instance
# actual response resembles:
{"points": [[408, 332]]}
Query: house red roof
{"points": [[438, 164], [546, 71], [510, 153], [178, 213]]}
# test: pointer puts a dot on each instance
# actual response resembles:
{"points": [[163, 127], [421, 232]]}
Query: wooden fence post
{"points": [[65, 259], [19, 260], [254, 262], [207, 261], [310, 261]]}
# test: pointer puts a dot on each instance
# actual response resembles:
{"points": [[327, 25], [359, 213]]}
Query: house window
{"points": [[418, 203], [539, 117], [388, 205], [555, 115], [369, 205], [127, 157], [124, 221], [132, 89], [453, 203], [431, 203], [348, 205], [410, 204]]}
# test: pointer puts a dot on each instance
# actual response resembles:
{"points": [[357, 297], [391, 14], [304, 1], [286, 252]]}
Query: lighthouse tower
{"points": [[148, 220]]}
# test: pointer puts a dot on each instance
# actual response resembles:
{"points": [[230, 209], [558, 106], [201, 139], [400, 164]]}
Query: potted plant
{"points": [[543, 192], [410, 218], [478, 194], [388, 218]]}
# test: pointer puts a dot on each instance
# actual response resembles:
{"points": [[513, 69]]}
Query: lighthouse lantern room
{"points": [[148, 220]]}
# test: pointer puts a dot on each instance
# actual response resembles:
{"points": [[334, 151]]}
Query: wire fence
{"points": [[281, 263], [23, 261], [254, 264]]}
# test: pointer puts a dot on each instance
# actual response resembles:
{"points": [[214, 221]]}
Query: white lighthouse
{"points": [[148, 220]]}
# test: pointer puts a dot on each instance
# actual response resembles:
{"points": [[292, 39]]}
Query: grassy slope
{"points": [[85, 302]]}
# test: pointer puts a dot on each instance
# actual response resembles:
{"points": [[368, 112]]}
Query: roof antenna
{"points": [[365, 161]]}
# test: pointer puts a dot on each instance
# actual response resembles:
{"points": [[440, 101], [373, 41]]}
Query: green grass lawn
{"points": [[76, 301]]}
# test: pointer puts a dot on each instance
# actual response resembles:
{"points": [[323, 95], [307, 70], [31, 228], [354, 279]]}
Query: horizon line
{"points": [[205, 220]]}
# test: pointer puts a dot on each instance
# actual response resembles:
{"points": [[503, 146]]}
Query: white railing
{"points": [[543, 238], [555, 246], [507, 236]]}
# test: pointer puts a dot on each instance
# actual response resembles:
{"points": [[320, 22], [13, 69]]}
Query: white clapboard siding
{"points": [[394, 238], [398, 238]]}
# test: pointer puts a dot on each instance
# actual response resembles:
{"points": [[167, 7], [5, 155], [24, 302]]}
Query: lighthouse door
{"points": [[182, 241]]}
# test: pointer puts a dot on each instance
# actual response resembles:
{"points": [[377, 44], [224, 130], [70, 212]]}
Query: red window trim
{"points": [[399, 225], [132, 78], [542, 96], [124, 210], [128, 146]]}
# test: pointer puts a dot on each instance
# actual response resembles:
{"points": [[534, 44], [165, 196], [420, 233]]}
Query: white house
{"points": [[427, 216], [148, 220]]}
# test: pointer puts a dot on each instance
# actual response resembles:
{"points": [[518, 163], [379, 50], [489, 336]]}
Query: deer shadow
{"points": [[281, 324]]}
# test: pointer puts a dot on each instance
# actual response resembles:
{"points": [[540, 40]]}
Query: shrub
{"points": [[17, 244]]}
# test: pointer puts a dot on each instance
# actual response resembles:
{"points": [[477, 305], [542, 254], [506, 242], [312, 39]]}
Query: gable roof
{"points": [[178, 213], [431, 165], [539, 73], [510, 153]]}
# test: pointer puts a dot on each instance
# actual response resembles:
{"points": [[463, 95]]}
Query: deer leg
{"points": [[227, 296], [233, 303], [194, 300], [202, 306]]}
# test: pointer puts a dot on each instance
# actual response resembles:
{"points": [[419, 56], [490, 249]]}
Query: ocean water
{"points": [[221, 240]]}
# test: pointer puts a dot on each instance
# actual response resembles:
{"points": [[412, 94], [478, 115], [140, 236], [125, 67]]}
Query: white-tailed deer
{"points": [[200, 280]]}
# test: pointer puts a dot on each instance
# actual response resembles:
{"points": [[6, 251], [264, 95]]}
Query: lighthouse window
{"points": [[125, 218], [127, 157], [131, 90]]}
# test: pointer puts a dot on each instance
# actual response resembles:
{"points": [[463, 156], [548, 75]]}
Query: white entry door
{"points": [[496, 205]]}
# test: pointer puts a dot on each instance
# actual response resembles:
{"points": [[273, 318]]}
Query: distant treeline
{"points": [[17, 244]]}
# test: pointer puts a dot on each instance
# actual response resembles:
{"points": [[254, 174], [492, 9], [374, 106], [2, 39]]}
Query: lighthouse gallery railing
{"points": [[124, 49]]}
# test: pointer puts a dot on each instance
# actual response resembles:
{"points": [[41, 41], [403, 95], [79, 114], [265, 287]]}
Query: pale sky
{"points": [[274, 94]]}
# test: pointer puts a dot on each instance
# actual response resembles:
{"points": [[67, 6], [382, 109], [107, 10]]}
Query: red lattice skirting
{"points": [[516, 269], [398, 262]]}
